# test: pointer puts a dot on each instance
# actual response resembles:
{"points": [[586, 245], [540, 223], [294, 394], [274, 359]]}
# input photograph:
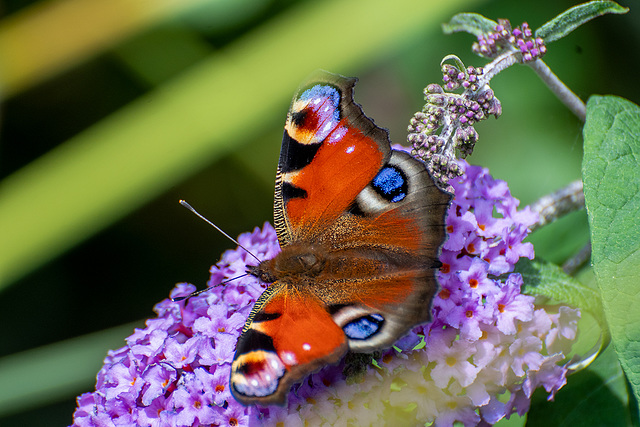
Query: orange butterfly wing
{"points": [[290, 335], [330, 151]]}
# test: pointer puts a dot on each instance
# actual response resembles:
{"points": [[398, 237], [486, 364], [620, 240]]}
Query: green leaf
{"points": [[514, 420], [572, 18], [611, 175], [472, 23], [596, 396], [547, 279]]}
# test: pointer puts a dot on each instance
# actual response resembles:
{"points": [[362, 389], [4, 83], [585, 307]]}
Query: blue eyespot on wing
{"points": [[363, 327], [391, 184]]}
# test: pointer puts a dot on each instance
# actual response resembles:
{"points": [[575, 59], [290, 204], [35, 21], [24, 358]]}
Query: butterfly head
{"points": [[262, 272], [297, 261]]}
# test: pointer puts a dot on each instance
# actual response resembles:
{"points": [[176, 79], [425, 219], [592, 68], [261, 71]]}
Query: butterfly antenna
{"points": [[188, 206], [193, 294]]}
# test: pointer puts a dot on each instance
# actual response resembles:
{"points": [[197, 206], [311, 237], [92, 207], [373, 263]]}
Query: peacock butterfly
{"points": [[359, 225]]}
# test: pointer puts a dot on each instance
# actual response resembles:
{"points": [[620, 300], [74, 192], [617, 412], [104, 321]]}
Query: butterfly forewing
{"points": [[330, 152]]}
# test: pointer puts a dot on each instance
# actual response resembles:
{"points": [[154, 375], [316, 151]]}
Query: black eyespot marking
{"points": [[298, 117], [290, 191], [263, 317], [364, 327], [252, 340], [355, 209], [391, 184], [294, 156]]}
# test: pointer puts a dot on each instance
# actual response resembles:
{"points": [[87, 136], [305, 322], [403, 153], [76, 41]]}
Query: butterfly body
{"points": [[359, 226]]}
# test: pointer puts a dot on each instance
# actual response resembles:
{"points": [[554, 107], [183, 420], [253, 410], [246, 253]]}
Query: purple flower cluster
{"points": [[457, 113], [453, 77], [486, 351], [443, 129], [505, 344], [175, 372], [504, 38]]}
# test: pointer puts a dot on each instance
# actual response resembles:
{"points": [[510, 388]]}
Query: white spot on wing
{"points": [[370, 201], [327, 127], [288, 357], [306, 346], [337, 134]]}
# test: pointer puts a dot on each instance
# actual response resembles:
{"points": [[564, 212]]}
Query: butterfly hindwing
{"points": [[359, 225], [286, 336]]}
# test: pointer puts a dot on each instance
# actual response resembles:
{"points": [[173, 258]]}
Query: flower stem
{"points": [[570, 99], [556, 205], [577, 261], [499, 64]]}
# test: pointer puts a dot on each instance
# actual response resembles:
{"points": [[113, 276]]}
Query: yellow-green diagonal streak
{"points": [[51, 36], [158, 140]]}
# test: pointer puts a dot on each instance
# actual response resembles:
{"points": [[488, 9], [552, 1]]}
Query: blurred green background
{"points": [[113, 110]]}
